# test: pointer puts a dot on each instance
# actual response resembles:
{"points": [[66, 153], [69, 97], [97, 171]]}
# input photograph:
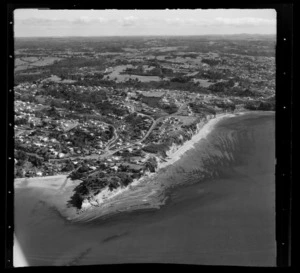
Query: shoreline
{"points": [[202, 132], [22, 179], [108, 201], [19, 180], [173, 156], [217, 210]]}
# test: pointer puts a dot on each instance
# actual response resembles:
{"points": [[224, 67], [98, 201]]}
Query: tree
{"points": [[251, 105], [68, 167], [151, 164], [36, 160], [232, 107], [19, 172], [266, 106], [230, 83], [21, 121]]}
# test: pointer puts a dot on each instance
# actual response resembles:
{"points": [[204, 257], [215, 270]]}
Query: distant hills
{"points": [[205, 37]]}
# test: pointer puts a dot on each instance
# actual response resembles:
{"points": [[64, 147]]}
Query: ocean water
{"points": [[219, 210]]}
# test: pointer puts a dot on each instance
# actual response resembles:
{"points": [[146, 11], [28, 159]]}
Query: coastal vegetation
{"points": [[108, 110]]}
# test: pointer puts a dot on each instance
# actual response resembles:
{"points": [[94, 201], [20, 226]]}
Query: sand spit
{"points": [[54, 182]]}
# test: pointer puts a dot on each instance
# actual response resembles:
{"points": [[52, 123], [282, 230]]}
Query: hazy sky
{"points": [[35, 22]]}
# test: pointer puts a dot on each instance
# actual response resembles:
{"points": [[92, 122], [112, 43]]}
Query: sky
{"points": [[45, 23]]}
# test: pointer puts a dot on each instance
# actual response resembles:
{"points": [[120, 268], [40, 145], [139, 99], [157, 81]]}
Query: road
{"points": [[108, 152], [113, 139], [154, 123]]}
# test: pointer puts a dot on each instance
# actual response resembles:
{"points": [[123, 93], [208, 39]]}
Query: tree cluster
{"points": [[211, 62]]}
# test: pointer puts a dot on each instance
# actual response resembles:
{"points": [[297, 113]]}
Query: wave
{"points": [[203, 181], [209, 153], [221, 143]]}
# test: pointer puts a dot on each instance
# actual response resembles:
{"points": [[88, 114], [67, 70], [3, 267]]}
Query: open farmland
{"points": [[116, 75], [30, 62], [111, 94]]}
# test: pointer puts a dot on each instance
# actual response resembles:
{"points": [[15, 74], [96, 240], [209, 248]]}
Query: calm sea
{"points": [[220, 210]]}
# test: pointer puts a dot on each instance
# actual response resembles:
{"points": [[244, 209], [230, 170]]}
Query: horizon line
{"points": [[151, 35]]}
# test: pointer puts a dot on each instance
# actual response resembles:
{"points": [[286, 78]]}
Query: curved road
{"points": [[108, 152], [111, 152]]}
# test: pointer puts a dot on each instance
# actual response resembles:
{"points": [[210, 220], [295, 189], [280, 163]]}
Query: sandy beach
{"points": [[231, 215], [202, 133], [110, 202]]}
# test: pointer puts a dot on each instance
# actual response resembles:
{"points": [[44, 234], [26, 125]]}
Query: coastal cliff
{"points": [[191, 131], [110, 181]]}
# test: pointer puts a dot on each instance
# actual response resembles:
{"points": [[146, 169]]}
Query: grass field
{"points": [[115, 74], [30, 62]]}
